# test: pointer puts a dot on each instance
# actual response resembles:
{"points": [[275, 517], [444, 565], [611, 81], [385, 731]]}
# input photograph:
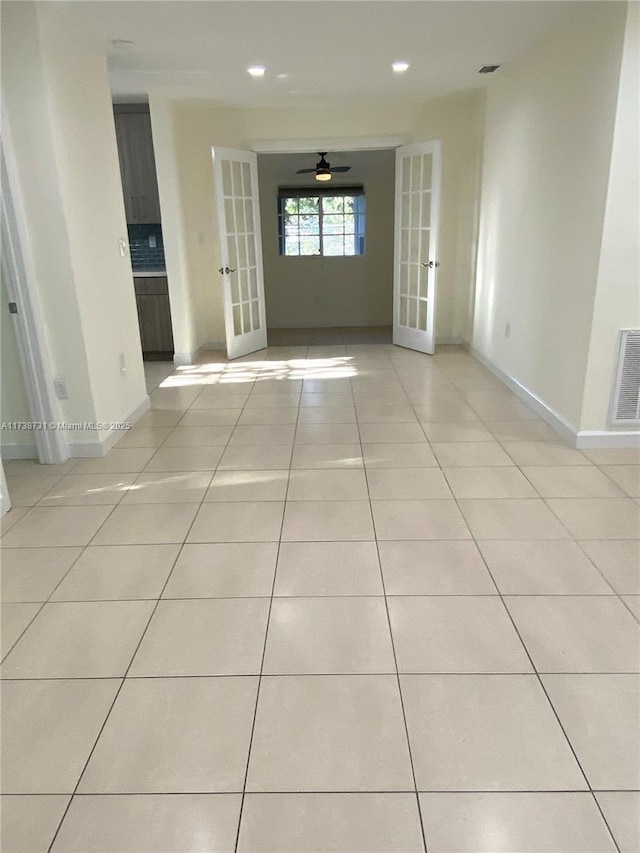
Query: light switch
{"points": [[122, 246]]}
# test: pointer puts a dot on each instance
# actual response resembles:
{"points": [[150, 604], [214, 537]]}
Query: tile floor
{"points": [[327, 597]]}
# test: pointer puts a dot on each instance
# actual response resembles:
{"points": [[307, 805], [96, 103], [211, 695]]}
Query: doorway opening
{"points": [[146, 246], [328, 247]]}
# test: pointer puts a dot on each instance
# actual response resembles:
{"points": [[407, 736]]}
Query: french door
{"points": [[417, 208], [236, 194]]}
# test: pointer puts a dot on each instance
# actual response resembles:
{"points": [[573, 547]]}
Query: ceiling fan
{"points": [[323, 168]]}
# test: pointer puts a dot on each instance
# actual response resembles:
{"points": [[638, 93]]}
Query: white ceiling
{"points": [[328, 50]]}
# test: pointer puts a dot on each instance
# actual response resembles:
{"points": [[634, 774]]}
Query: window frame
{"points": [[313, 192]]}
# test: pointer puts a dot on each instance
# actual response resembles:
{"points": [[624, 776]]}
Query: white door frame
{"points": [[31, 339], [5, 500]]}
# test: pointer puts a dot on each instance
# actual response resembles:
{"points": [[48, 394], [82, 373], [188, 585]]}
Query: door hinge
{"points": [[13, 308]]}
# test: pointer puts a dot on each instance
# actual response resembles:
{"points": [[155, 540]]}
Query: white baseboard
{"points": [[581, 440], [185, 359], [96, 449], [565, 430], [18, 450], [456, 340], [593, 439]]}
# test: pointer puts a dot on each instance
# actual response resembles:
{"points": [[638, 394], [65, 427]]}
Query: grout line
{"points": [[395, 659], [266, 636], [124, 677]]}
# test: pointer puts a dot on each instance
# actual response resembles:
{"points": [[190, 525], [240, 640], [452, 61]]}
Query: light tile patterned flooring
{"points": [[324, 598]]}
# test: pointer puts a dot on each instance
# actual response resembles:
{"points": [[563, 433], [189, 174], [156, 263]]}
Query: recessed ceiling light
{"points": [[400, 67], [256, 70], [282, 76]]}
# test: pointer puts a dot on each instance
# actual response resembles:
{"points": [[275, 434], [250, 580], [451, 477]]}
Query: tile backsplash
{"points": [[146, 247]]}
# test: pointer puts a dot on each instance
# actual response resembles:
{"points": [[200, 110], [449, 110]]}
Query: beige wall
{"points": [[617, 302], [321, 291], [197, 125], [57, 97], [547, 145]]}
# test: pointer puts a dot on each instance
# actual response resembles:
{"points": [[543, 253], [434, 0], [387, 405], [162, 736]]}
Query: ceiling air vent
{"points": [[488, 69], [625, 402]]}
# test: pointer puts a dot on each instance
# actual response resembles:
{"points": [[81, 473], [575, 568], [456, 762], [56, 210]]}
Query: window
{"points": [[321, 222]]}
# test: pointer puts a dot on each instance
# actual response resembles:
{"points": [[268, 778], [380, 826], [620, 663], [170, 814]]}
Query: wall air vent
{"points": [[625, 400], [488, 69]]}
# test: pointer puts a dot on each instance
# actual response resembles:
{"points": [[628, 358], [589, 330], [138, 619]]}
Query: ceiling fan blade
{"points": [[304, 171], [341, 168]]}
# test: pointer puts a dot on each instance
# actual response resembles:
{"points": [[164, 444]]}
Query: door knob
{"points": [[225, 270], [430, 264]]}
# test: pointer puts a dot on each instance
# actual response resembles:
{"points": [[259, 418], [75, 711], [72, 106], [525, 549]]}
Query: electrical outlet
{"points": [[507, 329], [152, 241], [60, 386], [123, 363]]}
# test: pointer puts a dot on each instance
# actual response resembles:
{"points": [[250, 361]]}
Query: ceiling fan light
{"points": [[323, 175]]}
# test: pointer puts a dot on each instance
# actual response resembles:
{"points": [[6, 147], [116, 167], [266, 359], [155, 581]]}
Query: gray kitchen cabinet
{"points": [[137, 163], [154, 316]]}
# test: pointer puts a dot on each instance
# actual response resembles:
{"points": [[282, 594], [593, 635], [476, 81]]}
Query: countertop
{"points": [[149, 273]]}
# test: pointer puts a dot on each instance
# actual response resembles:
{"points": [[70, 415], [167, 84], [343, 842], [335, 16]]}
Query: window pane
{"points": [[244, 285], [291, 246], [242, 252], [333, 245], [248, 214], [237, 320], [412, 319], [291, 226], [328, 225], [236, 170], [230, 221], [349, 223], [246, 178], [253, 283], [350, 244], [404, 279], [309, 225], [255, 313], [251, 246], [406, 177], [333, 224], [333, 204], [246, 316], [403, 311], [308, 205], [233, 254], [422, 316], [226, 177], [310, 245], [239, 209], [426, 171]]}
